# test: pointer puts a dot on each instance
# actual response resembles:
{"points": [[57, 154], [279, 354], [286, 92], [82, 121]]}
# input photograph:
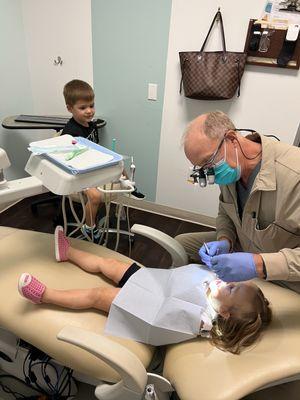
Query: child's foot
{"points": [[31, 288], [61, 244], [91, 232], [137, 195]]}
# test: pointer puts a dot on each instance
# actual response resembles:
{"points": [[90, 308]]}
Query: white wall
{"points": [[269, 99], [38, 32], [57, 28], [14, 83]]}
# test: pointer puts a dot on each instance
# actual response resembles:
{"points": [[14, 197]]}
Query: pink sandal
{"points": [[61, 244], [31, 288]]}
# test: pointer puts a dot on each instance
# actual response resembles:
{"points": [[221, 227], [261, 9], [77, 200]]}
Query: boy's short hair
{"points": [[77, 90]]}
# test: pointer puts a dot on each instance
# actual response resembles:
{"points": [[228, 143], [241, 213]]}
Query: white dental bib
{"points": [[159, 306]]}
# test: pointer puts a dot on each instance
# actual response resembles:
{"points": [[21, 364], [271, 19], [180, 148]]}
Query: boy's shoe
{"points": [[31, 288], [137, 195], [61, 244], [92, 233]]}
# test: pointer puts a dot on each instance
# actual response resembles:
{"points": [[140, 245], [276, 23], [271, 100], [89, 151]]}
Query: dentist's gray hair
{"points": [[216, 124]]}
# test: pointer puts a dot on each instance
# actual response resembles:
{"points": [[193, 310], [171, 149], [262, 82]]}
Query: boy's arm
{"points": [[67, 129]]}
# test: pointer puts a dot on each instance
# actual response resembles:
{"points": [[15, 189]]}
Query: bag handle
{"points": [[217, 17]]}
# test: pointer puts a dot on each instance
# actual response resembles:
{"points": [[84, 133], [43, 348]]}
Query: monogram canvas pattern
{"points": [[210, 76]]}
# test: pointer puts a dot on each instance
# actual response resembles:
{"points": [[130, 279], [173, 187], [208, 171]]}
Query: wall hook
{"points": [[58, 61]]}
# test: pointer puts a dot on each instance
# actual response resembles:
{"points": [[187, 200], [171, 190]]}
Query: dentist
{"points": [[258, 223]]}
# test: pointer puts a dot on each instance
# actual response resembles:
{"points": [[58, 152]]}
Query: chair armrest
{"points": [[175, 249], [129, 367]]}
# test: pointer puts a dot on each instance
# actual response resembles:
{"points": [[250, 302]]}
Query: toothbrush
{"points": [[75, 153]]}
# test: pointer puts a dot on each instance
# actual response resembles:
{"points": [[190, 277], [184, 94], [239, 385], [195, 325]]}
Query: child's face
{"points": [[83, 111], [237, 296]]}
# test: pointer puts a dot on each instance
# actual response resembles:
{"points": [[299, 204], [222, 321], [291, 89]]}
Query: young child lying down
{"points": [[231, 315]]}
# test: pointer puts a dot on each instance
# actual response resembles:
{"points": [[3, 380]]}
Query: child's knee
{"points": [[95, 197], [103, 297]]}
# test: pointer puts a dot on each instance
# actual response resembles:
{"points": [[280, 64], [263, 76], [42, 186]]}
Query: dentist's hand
{"points": [[234, 267], [214, 248]]}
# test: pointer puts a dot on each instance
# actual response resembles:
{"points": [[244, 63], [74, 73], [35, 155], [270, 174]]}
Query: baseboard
{"points": [[171, 212], [155, 208]]}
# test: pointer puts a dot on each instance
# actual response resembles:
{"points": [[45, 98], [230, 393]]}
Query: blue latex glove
{"points": [[234, 267], [214, 248]]}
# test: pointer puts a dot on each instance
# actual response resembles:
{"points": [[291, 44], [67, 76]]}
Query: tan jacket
{"points": [[271, 219]]}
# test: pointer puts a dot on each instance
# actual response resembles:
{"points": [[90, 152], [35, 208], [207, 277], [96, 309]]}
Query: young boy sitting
{"points": [[79, 97], [232, 315]]}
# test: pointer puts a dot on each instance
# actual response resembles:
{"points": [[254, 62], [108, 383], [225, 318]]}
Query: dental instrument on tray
{"points": [[75, 153]]}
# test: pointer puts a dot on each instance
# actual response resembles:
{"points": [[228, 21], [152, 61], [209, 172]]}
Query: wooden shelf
{"points": [[269, 58]]}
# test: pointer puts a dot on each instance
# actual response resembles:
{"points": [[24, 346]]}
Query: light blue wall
{"points": [[130, 41], [15, 92]]}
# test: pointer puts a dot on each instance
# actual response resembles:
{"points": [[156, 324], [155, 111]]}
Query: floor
{"points": [[143, 250]]}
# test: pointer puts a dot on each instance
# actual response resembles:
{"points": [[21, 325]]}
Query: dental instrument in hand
{"points": [[206, 248]]}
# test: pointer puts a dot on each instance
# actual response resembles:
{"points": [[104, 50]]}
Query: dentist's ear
{"points": [[231, 135]]}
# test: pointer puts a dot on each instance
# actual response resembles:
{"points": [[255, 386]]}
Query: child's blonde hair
{"points": [[76, 90], [242, 330]]}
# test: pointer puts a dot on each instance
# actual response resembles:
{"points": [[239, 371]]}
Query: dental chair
{"points": [[118, 367], [98, 359]]}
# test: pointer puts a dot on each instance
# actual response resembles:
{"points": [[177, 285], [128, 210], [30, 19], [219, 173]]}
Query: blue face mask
{"points": [[224, 173]]}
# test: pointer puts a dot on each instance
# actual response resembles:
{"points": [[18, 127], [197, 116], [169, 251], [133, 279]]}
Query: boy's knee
{"points": [[94, 197]]}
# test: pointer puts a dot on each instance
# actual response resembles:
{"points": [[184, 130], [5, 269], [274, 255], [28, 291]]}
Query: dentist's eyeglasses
{"points": [[206, 174], [210, 163]]}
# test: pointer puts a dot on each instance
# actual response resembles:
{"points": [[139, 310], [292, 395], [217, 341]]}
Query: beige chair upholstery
{"points": [[197, 370], [26, 251]]}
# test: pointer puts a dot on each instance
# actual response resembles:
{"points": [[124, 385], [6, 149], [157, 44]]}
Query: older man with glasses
{"points": [[258, 223]]}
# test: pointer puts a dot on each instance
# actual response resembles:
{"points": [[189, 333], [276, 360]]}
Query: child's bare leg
{"points": [[95, 198], [99, 298], [112, 269]]}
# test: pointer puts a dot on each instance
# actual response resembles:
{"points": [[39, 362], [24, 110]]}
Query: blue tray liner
{"points": [[117, 158]]}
